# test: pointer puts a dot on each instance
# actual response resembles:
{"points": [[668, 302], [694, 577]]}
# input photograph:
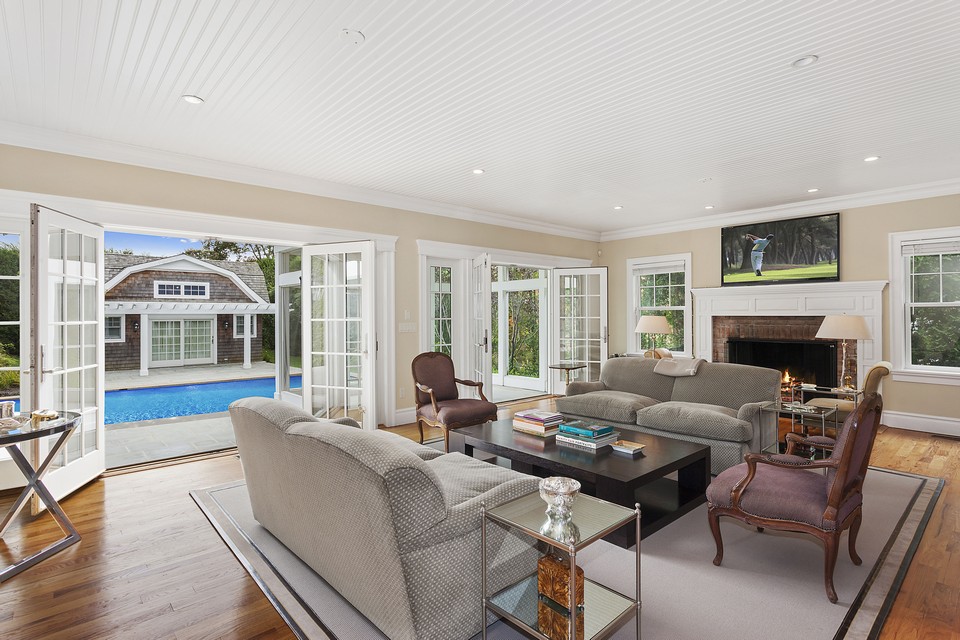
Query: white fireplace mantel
{"points": [[863, 298]]}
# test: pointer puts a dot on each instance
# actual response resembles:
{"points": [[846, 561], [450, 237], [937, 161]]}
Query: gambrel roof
{"points": [[247, 275]]}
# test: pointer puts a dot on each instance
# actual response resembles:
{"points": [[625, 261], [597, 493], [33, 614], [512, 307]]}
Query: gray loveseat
{"points": [[718, 406], [392, 525]]}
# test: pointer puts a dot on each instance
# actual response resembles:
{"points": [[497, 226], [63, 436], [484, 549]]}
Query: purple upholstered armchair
{"points": [[438, 400], [790, 493]]}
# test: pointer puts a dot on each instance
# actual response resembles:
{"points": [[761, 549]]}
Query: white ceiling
{"points": [[571, 107]]}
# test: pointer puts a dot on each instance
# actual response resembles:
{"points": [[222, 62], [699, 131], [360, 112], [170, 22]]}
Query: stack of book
{"points": [[537, 422], [590, 437]]}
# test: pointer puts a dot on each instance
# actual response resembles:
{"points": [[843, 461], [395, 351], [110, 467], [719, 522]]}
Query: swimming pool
{"points": [[150, 403]]}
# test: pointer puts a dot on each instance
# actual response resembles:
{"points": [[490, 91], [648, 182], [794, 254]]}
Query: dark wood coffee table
{"points": [[606, 475]]}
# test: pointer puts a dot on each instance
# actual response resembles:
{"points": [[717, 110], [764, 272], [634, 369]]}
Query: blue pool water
{"points": [[133, 405]]}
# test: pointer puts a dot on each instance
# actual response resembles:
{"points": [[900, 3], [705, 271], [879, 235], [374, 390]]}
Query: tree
{"points": [[122, 252]]}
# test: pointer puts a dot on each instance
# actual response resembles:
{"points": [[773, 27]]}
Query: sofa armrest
{"points": [[464, 518], [576, 388]]}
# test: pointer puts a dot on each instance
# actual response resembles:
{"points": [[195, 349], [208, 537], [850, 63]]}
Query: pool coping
{"points": [[147, 423]]}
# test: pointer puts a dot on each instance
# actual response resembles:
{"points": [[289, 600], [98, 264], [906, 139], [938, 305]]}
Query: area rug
{"points": [[770, 584]]}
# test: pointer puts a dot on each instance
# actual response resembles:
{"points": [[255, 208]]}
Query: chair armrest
{"points": [[795, 440], [577, 388], [776, 460], [472, 383], [427, 390], [464, 518]]}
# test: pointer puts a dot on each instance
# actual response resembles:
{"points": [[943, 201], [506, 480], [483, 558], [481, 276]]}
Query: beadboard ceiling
{"points": [[662, 107]]}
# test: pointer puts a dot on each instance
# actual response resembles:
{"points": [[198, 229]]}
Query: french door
{"points": [[181, 341], [580, 322], [66, 359], [481, 356], [339, 331]]}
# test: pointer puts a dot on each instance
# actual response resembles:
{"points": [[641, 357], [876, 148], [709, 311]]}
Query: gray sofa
{"points": [[718, 406], [392, 525]]}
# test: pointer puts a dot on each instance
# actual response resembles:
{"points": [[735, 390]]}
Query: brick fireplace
{"points": [[786, 312]]}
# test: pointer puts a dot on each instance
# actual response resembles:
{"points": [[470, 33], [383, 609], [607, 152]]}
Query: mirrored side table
{"points": [[604, 610], [64, 426]]}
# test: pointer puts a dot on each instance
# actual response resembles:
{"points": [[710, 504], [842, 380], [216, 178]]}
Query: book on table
{"points": [[583, 442], [534, 431], [582, 428], [541, 416]]}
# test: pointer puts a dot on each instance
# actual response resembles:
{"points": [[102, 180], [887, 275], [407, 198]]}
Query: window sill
{"points": [[926, 377], [120, 341]]}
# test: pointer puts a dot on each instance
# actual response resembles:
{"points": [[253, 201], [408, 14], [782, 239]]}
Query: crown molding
{"points": [[793, 209], [20, 135]]}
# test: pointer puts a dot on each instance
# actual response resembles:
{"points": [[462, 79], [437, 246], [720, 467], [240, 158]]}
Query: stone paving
{"points": [[136, 442]]}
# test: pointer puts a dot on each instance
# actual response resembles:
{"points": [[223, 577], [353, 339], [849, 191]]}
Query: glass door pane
{"points": [[580, 322], [338, 286], [197, 341], [481, 359], [165, 342]]}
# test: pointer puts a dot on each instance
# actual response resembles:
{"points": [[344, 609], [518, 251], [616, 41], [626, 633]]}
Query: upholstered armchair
{"points": [[438, 399], [792, 493]]}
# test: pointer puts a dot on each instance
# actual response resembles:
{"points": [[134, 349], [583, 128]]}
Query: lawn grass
{"points": [[821, 270]]}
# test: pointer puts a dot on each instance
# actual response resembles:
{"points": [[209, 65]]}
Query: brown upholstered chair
{"points": [[438, 399], [789, 493]]}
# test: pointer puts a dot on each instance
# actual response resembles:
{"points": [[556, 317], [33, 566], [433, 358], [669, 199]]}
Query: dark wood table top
{"points": [[659, 456]]}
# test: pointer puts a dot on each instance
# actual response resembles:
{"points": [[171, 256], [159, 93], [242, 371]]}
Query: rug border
{"points": [[203, 495], [201, 498]]}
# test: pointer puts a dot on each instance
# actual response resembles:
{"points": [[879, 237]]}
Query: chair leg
{"points": [[715, 529], [759, 529], [831, 544], [420, 426], [446, 438], [854, 530]]}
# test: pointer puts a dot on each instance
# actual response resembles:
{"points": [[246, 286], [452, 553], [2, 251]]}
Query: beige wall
{"points": [[864, 255], [42, 172]]}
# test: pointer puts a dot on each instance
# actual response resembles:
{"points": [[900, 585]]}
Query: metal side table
{"points": [[65, 425]]}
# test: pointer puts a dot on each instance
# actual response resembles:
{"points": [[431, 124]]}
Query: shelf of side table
{"points": [[604, 610]]}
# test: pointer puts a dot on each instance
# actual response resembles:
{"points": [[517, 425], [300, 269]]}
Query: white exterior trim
{"points": [[863, 298], [903, 370], [253, 323], [158, 264], [180, 308]]}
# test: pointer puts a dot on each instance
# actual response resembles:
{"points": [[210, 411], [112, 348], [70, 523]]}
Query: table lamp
{"points": [[844, 328], [654, 325]]}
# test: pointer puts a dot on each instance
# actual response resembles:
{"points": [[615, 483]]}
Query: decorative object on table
{"points": [[7, 409], [844, 327], [653, 325], [553, 623], [560, 493], [553, 590], [633, 449], [438, 398], [10, 425], [42, 415], [537, 422]]}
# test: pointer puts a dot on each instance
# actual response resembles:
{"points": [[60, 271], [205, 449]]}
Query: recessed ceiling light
{"points": [[805, 61], [617, 207], [192, 99], [352, 36], [479, 171], [871, 158], [709, 206], [814, 190]]}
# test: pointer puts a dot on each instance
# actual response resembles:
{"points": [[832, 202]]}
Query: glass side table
{"points": [[603, 610], [64, 426], [796, 410]]}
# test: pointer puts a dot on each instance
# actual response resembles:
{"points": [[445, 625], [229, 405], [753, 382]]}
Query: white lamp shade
{"points": [[653, 324], [844, 328]]}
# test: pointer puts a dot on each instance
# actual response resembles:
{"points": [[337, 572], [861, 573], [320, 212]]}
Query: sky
{"points": [[149, 245]]}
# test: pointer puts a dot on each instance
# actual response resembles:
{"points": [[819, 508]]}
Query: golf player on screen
{"points": [[756, 253]]}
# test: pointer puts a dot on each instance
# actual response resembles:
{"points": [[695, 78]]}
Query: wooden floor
{"points": [[150, 566]]}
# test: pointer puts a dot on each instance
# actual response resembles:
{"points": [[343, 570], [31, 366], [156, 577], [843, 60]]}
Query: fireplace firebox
{"points": [[804, 360]]}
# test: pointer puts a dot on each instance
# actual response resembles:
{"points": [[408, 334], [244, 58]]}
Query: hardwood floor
{"points": [[150, 566]]}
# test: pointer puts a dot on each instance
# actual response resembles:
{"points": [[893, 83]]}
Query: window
{"points": [[163, 289], [113, 329], [239, 330], [925, 292], [441, 306], [660, 285]]}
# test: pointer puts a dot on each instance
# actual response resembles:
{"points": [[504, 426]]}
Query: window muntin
{"points": [[239, 328], [933, 309], [660, 285], [441, 308], [113, 329], [167, 289]]}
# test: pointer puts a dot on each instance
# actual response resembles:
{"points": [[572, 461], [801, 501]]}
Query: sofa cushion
{"points": [[636, 375], [420, 450], [704, 420], [727, 385], [614, 406], [462, 477], [462, 412]]}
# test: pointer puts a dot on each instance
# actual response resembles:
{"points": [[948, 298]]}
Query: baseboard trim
{"points": [[404, 416], [919, 422]]}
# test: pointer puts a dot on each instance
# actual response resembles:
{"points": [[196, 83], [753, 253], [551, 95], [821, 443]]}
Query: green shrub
{"points": [[269, 355]]}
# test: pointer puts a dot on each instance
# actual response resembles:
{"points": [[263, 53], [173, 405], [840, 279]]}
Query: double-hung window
{"points": [[239, 326], [925, 294], [660, 285], [113, 329]]}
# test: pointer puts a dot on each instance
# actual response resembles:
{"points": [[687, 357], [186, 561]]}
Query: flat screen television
{"points": [[781, 252]]}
